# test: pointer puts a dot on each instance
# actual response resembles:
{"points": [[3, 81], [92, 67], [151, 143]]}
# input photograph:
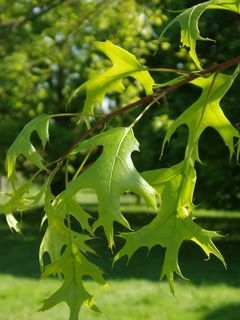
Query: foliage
{"points": [[46, 49], [223, 46], [124, 65], [66, 250]]}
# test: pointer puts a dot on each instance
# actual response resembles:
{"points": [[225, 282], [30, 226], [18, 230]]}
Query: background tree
{"points": [[111, 172], [47, 52]]}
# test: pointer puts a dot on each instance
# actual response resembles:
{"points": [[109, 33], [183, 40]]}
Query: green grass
{"points": [[126, 299], [134, 292]]}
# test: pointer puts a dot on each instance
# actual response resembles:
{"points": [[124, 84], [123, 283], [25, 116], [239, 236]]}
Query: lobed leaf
{"points": [[206, 112], [73, 265], [110, 176], [13, 223], [21, 198], [58, 233], [66, 250], [124, 65], [23, 145], [173, 223], [189, 19], [230, 5]]}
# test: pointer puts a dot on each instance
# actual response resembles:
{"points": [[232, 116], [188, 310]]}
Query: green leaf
{"points": [[206, 112], [66, 250], [13, 223], [73, 265], [22, 145], [238, 149], [230, 5], [188, 21], [17, 199], [58, 234], [110, 176], [124, 65], [21, 198], [174, 221]]}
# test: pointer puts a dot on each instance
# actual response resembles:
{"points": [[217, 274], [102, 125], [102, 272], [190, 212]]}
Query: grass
{"points": [[134, 292], [129, 299]]}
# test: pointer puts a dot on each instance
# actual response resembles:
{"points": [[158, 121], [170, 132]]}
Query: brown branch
{"points": [[218, 67], [155, 96]]}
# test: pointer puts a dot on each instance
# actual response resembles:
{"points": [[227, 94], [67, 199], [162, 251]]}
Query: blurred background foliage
{"points": [[47, 51]]}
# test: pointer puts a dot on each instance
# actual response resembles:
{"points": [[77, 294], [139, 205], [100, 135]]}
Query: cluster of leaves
{"points": [[64, 251], [46, 49]]}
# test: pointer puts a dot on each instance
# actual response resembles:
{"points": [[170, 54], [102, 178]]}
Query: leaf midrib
{"points": [[110, 177]]}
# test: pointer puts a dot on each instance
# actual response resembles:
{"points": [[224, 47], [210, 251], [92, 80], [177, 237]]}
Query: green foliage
{"points": [[22, 145], [124, 65], [117, 175], [46, 49], [206, 112], [189, 20], [66, 250], [174, 222]]}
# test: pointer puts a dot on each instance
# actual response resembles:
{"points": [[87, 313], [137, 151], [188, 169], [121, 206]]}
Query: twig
{"points": [[155, 96]]}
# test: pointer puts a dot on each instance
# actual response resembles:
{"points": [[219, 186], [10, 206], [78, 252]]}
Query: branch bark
{"points": [[153, 97]]}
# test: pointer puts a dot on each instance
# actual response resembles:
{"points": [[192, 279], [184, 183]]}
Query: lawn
{"points": [[126, 299], [134, 291]]}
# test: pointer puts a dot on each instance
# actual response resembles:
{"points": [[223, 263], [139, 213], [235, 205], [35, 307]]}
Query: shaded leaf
{"points": [[23, 145], [188, 21], [238, 149], [206, 112]]}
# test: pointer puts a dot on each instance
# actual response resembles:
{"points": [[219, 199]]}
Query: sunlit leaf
{"points": [[188, 21], [124, 65], [66, 251], [112, 174], [58, 233], [73, 265], [174, 221], [230, 5], [13, 223], [22, 198]]}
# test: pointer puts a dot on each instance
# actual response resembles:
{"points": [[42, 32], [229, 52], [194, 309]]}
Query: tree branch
{"points": [[155, 96]]}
